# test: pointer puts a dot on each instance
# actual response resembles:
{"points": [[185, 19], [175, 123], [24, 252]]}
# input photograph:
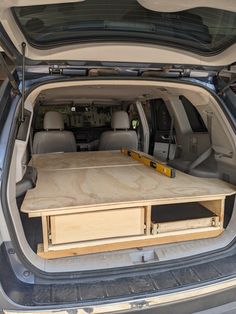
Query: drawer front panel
{"points": [[185, 225], [97, 225]]}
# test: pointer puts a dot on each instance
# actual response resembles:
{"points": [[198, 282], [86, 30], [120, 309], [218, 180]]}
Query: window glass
{"points": [[201, 29], [196, 122]]}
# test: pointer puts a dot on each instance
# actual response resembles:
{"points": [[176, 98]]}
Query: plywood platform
{"points": [[102, 187], [72, 187]]}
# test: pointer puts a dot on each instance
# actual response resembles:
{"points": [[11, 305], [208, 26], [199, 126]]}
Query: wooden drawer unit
{"points": [[116, 229], [186, 216], [97, 225]]}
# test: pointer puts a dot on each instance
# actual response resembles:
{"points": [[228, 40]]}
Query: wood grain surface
{"points": [[101, 188]]}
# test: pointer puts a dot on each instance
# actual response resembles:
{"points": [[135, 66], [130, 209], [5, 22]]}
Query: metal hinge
{"points": [[228, 75], [55, 70], [215, 222]]}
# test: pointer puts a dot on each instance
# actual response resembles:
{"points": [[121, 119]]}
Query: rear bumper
{"points": [[200, 300], [183, 289]]}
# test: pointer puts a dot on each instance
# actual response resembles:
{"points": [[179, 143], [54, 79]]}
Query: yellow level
{"points": [[158, 166]]}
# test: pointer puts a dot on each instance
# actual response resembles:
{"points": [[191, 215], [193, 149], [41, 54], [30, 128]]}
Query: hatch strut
{"points": [[9, 75], [230, 83], [22, 118]]}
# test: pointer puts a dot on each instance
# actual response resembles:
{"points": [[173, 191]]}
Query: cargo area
{"points": [[104, 201], [121, 171]]}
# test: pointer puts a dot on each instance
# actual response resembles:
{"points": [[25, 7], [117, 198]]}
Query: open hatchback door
{"points": [[194, 33], [118, 156]]}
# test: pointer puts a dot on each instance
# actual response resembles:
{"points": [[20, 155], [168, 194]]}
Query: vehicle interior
{"points": [[180, 125]]}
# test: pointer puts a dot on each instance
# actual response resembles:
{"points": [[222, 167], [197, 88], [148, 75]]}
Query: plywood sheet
{"points": [[80, 190], [62, 161]]}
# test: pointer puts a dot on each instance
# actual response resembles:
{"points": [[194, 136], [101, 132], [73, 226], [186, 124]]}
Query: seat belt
{"points": [[209, 125], [206, 154], [201, 158]]}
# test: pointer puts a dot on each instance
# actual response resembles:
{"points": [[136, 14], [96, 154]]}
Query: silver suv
{"points": [[156, 79]]}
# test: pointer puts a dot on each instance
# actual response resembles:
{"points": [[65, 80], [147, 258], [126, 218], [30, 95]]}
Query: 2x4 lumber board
{"points": [[143, 238], [103, 188], [81, 160], [148, 214], [106, 246], [45, 231], [97, 225]]}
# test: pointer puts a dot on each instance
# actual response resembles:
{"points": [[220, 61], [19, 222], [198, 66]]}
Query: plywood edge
{"points": [[41, 170], [106, 246], [110, 206], [63, 161]]}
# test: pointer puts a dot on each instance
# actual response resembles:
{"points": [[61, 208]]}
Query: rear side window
{"points": [[163, 118], [196, 122]]}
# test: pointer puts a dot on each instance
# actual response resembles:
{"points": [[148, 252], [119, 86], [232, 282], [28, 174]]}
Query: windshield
{"points": [[204, 30]]}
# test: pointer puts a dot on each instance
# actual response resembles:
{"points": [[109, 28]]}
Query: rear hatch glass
{"points": [[202, 30]]}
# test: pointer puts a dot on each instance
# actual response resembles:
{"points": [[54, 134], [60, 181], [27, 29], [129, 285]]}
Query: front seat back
{"points": [[54, 138], [121, 136]]}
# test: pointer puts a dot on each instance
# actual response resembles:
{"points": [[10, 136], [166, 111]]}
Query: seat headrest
{"points": [[120, 120], [53, 121]]}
